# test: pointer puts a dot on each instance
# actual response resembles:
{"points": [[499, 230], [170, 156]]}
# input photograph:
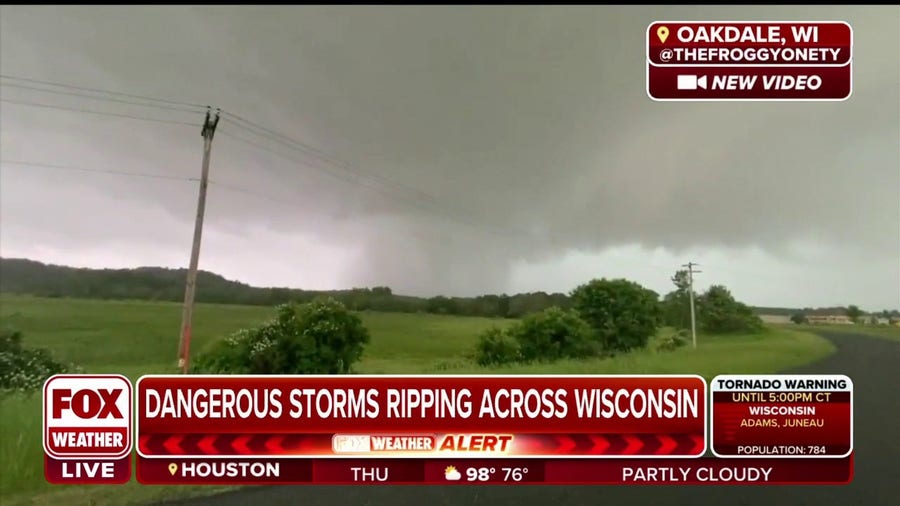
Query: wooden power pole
{"points": [[690, 266], [184, 347]]}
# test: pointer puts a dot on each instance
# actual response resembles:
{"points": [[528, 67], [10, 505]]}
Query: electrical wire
{"points": [[98, 90], [96, 171], [106, 99], [401, 192], [101, 113]]}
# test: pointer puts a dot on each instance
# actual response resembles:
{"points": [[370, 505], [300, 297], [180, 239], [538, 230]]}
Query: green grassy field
{"points": [[136, 338]]}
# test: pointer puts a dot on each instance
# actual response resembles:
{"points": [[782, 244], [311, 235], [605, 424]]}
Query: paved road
{"points": [[873, 364]]}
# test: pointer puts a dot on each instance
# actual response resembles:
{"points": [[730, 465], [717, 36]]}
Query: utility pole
{"points": [[184, 347], [690, 267]]}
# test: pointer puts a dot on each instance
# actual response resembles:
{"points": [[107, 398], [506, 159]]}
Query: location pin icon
{"points": [[663, 33], [173, 468]]}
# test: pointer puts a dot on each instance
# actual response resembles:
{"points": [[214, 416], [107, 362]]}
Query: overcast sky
{"points": [[472, 150]]}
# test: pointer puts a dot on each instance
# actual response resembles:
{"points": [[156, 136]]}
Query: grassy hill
{"points": [[28, 277]]}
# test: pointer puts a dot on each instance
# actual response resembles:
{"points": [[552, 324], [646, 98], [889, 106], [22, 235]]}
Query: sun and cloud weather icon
{"points": [[451, 474]]}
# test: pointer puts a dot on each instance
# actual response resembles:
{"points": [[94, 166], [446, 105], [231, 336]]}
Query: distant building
{"points": [[831, 319], [775, 318], [874, 320]]}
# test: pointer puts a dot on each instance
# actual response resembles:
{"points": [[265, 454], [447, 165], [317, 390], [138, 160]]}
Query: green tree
{"points": [[676, 305], [503, 306], [719, 312], [798, 318], [854, 312], [623, 314], [682, 280], [443, 305]]}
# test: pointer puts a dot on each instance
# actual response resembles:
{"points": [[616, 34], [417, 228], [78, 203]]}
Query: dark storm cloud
{"points": [[531, 122]]}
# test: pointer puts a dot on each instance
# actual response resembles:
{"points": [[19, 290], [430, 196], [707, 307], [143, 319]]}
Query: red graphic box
{"points": [[783, 416]]}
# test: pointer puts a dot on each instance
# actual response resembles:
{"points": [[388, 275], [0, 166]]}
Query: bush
{"points": [[319, 337], [495, 347], [552, 334], [25, 369], [623, 314], [671, 342]]}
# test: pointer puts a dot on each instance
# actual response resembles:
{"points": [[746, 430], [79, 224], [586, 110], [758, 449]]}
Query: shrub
{"points": [[448, 365], [671, 342], [25, 369], [554, 333], [495, 347], [319, 337], [622, 313]]}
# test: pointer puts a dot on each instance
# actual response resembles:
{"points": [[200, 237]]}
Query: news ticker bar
{"points": [[89, 419], [263, 471], [423, 445], [749, 60]]}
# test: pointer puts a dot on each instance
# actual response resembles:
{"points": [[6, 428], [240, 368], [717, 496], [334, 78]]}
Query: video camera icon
{"points": [[688, 82]]}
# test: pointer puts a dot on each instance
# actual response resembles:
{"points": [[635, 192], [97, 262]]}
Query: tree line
{"points": [[28, 277]]}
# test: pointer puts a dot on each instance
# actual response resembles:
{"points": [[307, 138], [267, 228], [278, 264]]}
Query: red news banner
{"points": [[735, 61], [421, 416], [783, 416]]}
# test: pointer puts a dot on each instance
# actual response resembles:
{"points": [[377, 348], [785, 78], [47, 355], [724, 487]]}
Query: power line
{"points": [[219, 184], [242, 122], [234, 119], [399, 189], [238, 121], [477, 225], [101, 113], [97, 171], [329, 169], [483, 226], [263, 196], [307, 149], [245, 124], [98, 90], [337, 175], [270, 134], [107, 99], [256, 129], [420, 197], [304, 163]]}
